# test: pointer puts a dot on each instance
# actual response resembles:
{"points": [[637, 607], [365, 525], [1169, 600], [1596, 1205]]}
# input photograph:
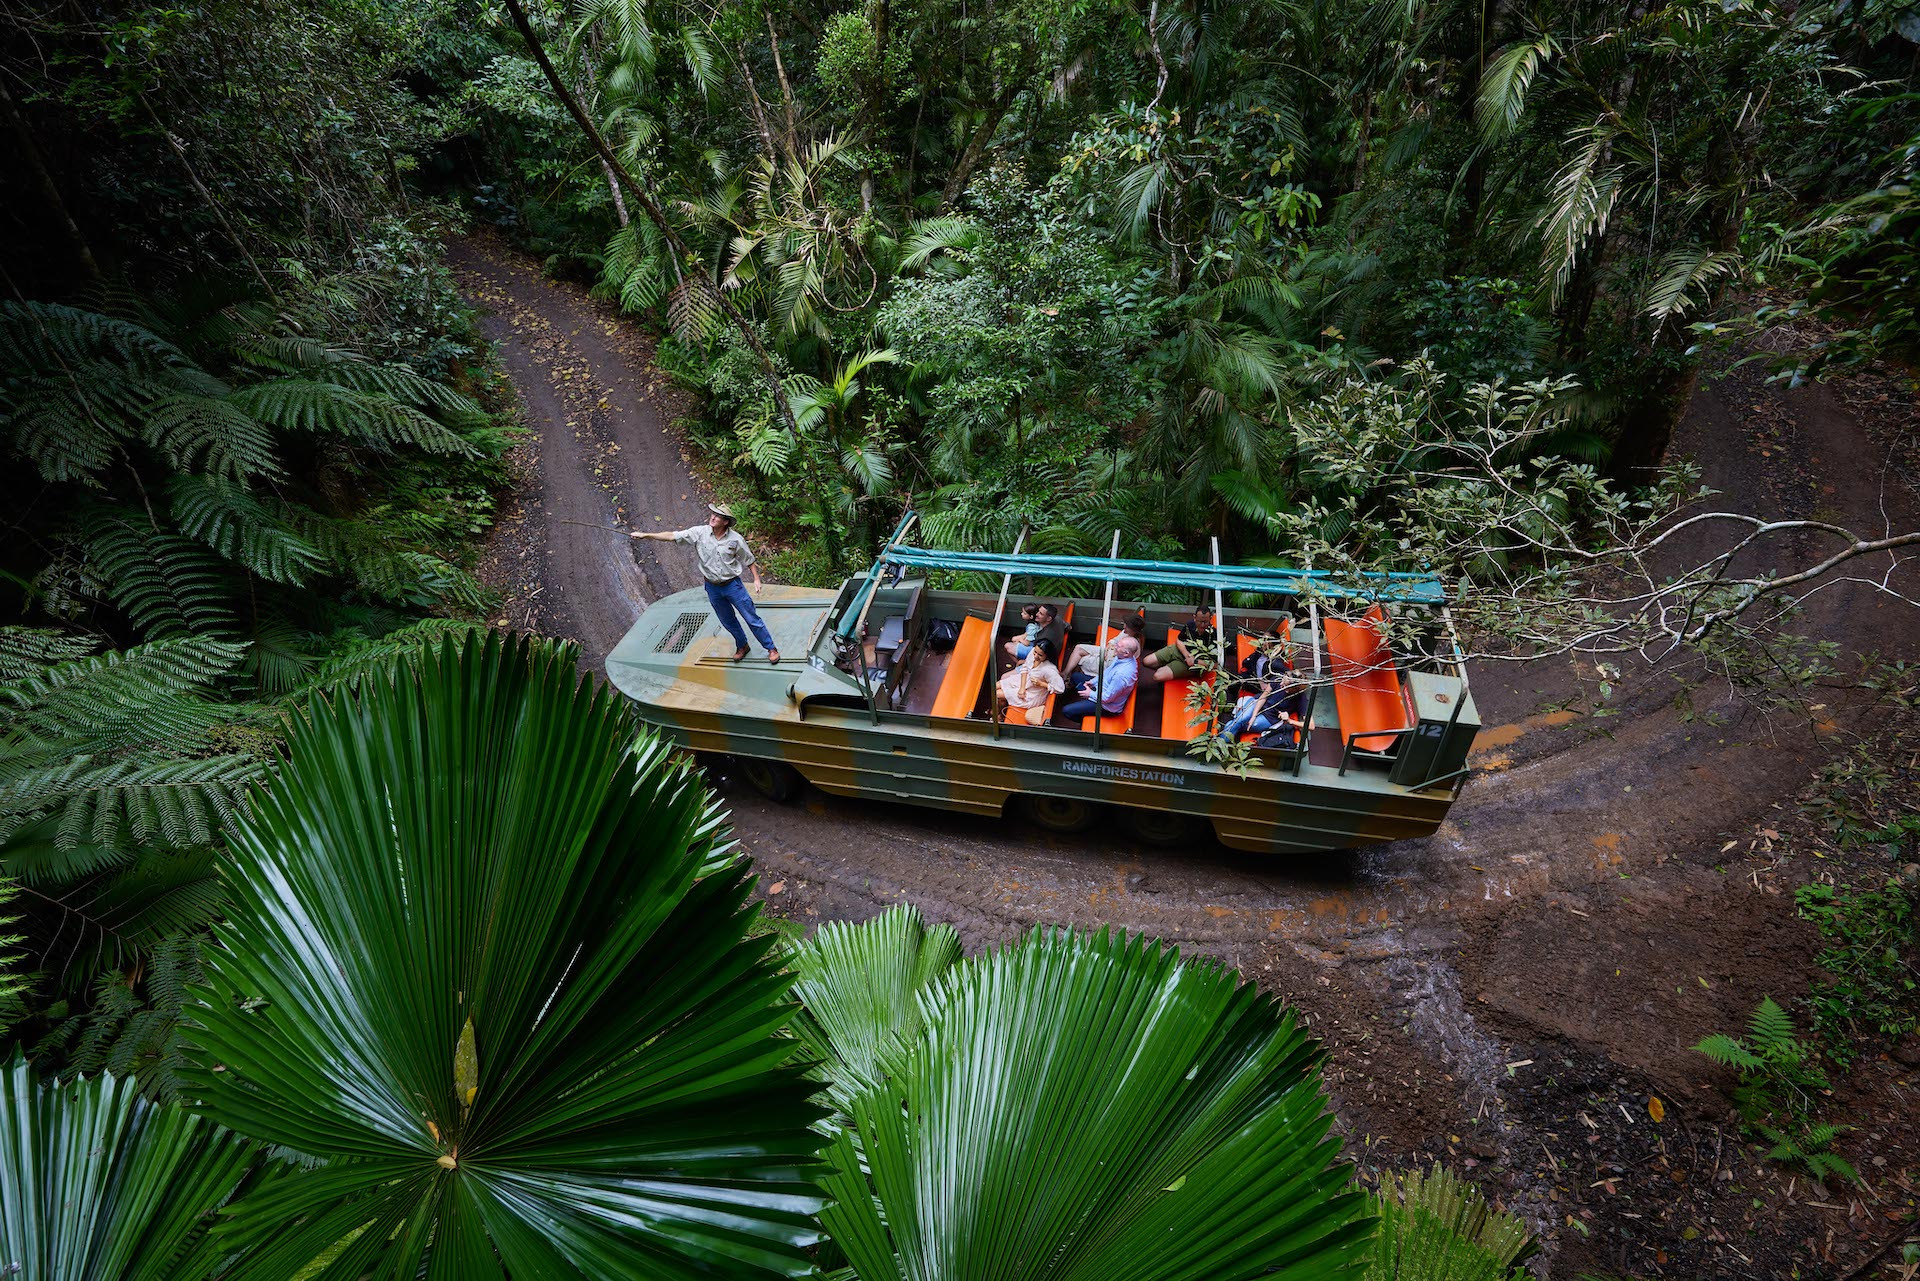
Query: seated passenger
{"points": [[1027, 686], [1271, 653], [1263, 706], [1123, 673], [1041, 620], [1182, 656], [1086, 658]]}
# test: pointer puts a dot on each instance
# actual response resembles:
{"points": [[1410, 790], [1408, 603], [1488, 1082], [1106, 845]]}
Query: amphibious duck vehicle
{"points": [[886, 693]]}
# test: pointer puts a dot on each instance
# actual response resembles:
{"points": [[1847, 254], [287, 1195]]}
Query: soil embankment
{"points": [[1506, 995]]}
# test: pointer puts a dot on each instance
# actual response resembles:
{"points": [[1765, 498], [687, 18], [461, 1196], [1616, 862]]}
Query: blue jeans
{"points": [[729, 600], [1080, 707], [1252, 722]]}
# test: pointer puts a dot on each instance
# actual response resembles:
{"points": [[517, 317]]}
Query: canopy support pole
{"points": [[1313, 625], [1219, 616], [1099, 639], [873, 575], [993, 637]]}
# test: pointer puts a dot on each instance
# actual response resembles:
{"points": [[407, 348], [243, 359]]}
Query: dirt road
{"points": [[1552, 953]]}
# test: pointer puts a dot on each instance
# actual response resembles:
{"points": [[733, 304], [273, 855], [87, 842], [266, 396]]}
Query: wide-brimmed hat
{"points": [[721, 510]]}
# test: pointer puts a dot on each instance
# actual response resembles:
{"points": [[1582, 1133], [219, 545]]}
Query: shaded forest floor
{"points": [[1508, 995]]}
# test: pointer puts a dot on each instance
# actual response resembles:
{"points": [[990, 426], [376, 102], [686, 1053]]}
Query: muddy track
{"points": [[1572, 916]]}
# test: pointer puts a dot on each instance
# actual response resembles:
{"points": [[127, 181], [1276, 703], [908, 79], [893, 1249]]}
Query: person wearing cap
{"points": [[723, 555]]}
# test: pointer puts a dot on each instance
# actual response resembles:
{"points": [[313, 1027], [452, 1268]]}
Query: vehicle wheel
{"points": [[1163, 828], [775, 780], [1060, 813]]}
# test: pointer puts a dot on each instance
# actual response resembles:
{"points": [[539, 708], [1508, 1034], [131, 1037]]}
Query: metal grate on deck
{"points": [[681, 634]]}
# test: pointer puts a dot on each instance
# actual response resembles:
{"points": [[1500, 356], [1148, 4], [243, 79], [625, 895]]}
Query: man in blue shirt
{"points": [[1123, 673]]}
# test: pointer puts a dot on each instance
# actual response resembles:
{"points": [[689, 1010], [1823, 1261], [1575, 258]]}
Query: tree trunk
{"points": [[1649, 424], [786, 89], [757, 108], [613, 187], [50, 190], [1473, 186], [976, 147]]}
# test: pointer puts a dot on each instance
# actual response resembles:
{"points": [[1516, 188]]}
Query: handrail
{"points": [[1346, 757], [993, 636], [1424, 589], [873, 577], [1099, 640]]}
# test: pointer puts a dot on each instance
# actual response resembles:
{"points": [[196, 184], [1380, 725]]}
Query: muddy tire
{"points": [[1063, 814], [1163, 829], [775, 780]]}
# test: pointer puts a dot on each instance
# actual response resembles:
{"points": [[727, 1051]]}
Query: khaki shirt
{"points": [[721, 559]]}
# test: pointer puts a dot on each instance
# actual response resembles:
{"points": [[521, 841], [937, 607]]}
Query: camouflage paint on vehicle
{"points": [[676, 664]]}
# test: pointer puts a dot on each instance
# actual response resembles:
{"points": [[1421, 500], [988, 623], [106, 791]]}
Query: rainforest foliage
{"points": [[247, 446], [1404, 285], [1083, 265]]}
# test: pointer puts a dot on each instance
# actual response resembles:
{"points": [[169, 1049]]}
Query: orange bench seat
{"points": [[967, 671], [1366, 683], [1177, 720]]}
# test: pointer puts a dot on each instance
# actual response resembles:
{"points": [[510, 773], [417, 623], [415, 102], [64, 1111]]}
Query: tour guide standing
{"points": [[723, 554]]}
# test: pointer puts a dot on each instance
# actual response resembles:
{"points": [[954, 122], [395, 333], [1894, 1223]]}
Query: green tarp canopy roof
{"points": [[1418, 589]]}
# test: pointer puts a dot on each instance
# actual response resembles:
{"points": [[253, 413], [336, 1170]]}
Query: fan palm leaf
{"points": [[471, 962], [1433, 1227], [859, 988], [1092, 1106], [102, 1185]]}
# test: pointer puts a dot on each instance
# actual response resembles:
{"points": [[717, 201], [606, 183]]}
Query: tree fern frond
{"points": [[386, 569], [168, 585], [291, 353], [227, 517], [177, 803], [48, 336], [349, 661], [408, 388], [25, 651], [310, 405], [194, 431], [66, 437], [32, 853]]}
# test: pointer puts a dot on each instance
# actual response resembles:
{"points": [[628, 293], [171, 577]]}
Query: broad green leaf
{"points": [[101, 1185], [1057, 1092], [470, 845]]}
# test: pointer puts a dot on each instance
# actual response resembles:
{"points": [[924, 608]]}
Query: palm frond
{"points": [[1502, 98], [103, 1185], [564, 1054], [859, 989], [953, 236], [1154, 1118], [1685, 276], [1434, 1227]]}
